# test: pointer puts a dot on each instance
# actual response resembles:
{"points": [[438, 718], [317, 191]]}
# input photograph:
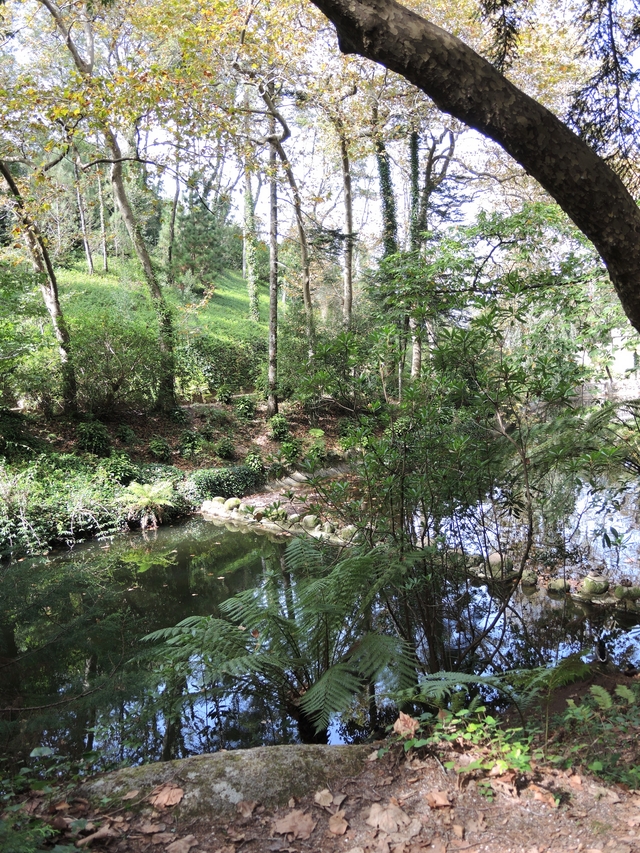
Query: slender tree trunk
{"points": [[172, 231], [304, 249], [166, 383], [103, 230], [272, 401], [83, 222], [250, 271], [49, 289], [414, 184], [347, 294], [387, 195]]}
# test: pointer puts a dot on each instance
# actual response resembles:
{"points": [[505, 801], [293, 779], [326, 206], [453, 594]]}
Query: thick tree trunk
{"points": [[166, 382], [465, 85], [347, 292], [272, 399], [49, 289]]}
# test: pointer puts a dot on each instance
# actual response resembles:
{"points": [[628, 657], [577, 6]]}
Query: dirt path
{"points": [[392, 805]]}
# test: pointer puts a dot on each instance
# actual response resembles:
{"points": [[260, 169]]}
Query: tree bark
{"points": [[103, 230], [272, 399], [347, 290], [83, 223], [166, 380], [171, 278], [250, 271], [49, 289], [463, 84], [387, 195]]}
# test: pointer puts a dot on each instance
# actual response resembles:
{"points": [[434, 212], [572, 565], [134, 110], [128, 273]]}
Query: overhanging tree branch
{"points": [[466, 86]]}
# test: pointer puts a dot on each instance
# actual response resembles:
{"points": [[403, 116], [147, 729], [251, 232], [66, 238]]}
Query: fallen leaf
{"points": [[337, 824], [438, 800], [130, 795], [162, 838], [338, 799], [406, 726], [438, 847], [151, 828], [105, 831], [390, 818], [62, 807], [324, 798], [575, 781], [296, 823], [542, 795], [373, 756], [61, 823], [458, 830], [634, 821], [355, 850], [292, 802], [182, 845], [165, 796], [246, 807], [505, 785]]}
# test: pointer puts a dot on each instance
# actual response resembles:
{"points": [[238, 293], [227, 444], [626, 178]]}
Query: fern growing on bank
{"points": [[298, 635]]}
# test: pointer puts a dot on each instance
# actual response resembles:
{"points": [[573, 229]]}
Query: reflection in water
{"points": [[75, 676]]}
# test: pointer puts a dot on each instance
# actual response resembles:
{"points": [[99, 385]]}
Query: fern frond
{"points": [[625, 693], [602, 697], [437, 688], [333, 692]]}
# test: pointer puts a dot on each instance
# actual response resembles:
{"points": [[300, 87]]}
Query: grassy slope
{"points": [[223, 315]]}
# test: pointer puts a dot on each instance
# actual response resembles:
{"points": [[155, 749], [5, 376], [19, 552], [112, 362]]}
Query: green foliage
{"points": [[291, 449], [253, 461], [208, 364], [600, 732], [245, 408], [93, 437], [225, 449], [190, 443], [236, 481], [120, 468], [279, 427], [126, 435], [160, 449], [224, 394], [145, 502]]}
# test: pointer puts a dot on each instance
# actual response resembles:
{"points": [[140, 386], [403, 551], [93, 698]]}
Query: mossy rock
{"points": [[529, 578], [498, 566], [232, 503], [348, 533], [595, 585], [310, 522], [328, 527], [558, 585], [627, 593], [214, 784]]}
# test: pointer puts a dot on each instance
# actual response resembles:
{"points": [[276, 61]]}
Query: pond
{"points": [[75, 676]]}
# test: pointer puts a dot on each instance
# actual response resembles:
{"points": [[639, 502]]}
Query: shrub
{"points": [[245, 408], [120, 468], [279, 428], [126, 435], [253, 461], [291, 450], [225, 449], [190, 443], [160, 449], [93, 437], [226, 482], [179, 416], [224, 394]]}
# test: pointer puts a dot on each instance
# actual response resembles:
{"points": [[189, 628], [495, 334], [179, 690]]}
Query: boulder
{"points": [[232, 503], [348, 533], [529, 578], [594, 584], [214, 784], [310, 522], [558, 585]]}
